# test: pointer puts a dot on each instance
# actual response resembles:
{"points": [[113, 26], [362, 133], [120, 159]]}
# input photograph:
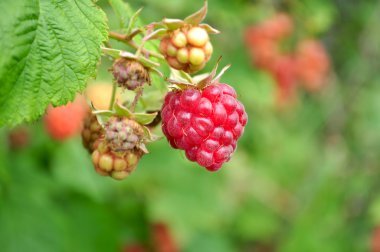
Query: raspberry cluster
{"points": [[206, 123], [187, 48], [307, 65]]}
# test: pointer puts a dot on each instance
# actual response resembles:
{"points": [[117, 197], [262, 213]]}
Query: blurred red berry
{"points": [[284, 72], [134, 248], [206, 123], [163, 241], [66, 121], [278, 26], [375, 240], [313, 64]]}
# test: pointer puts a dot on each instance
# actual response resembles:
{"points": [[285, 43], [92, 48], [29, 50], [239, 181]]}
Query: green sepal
{"points": [[224, 69], [172, 24], [149, 136], [157, 34], [114, 53], [197, 17], [143, 148], [103, 116], [144, 118], [180, 75], [132, 20], [146, 62], [121, 110], [209, 29]]}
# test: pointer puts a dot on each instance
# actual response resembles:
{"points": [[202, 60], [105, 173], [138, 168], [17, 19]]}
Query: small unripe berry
{"points": [[187, 48], [183, 55], [197, 56], [117, 165], [171, 50], [179, 39], [105, 162], [197, 36]]}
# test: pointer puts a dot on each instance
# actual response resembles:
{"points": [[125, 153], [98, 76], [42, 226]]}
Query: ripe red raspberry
{"points": [[206, 123], [118, 165], [66, 121], [187, 48], [92, 131]]}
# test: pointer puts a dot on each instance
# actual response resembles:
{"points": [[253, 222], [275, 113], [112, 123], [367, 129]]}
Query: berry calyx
{"points": [[187, 48], [117, 165], [130, 74], [92, 131], [205, 123], [123, 134]]}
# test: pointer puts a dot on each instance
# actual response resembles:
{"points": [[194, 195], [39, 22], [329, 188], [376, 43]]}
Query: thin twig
{"points": [[126, 39], [139, 93], [112, 101]]}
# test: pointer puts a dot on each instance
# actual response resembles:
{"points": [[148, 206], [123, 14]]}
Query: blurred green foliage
{"points": [[303, 179]]}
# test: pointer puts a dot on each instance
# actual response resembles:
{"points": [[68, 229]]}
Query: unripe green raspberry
{"points": [[197, 56], [117, 165], [130, 74], [187, 48], [197, 36]]}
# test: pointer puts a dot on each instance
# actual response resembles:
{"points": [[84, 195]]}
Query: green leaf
{"points": [[128, 19], [49, 51], [198, 16], [133, 20], [114, 53]]}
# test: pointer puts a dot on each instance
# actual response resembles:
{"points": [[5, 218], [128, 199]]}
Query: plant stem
{"points": [[127, 39], [112, 101], [139, 93]]}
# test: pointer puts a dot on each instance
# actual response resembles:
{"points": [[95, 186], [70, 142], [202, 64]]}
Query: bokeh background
{"points": [[305, 176]]}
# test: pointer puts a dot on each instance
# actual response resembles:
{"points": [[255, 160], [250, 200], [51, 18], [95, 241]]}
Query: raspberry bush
{"points": [[120, 123]]}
